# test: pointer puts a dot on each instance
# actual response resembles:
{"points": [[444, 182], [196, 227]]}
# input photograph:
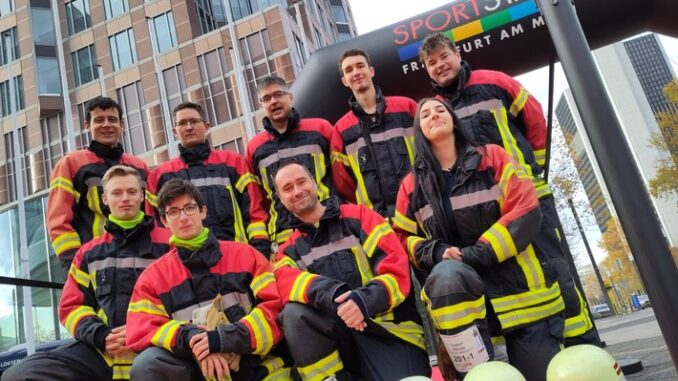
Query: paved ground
{"points": [[637, 335]]}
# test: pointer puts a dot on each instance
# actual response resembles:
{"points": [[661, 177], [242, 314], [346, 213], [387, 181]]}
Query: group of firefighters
{"points": [[310, 246]]}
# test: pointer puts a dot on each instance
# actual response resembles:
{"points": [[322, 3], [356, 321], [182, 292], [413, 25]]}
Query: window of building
{"points": [[165, 35], [338, 12], [300, 50], [54, 140], [255, 47], [82, 137], [9, 181], [217, 87], [5, 105], [174, 86], [236, 145], [210, 15], [49, 80], [344, 32], [241, 8], [77, 16], [84, 65], [136, 138], [115, 8], [12, 47], [42, 22], [318, 38], [123, 51], [6, 6]]}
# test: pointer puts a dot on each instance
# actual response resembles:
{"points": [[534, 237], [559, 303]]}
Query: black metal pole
{"points": [[627, 190]]}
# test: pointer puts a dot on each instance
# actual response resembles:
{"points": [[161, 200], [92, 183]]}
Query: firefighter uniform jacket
{"points": [[168, 292], [233, 197], [500, 111], [75, 212], [495, 216], [372, 153], [100, 283], [306, 140], [355, 249]]}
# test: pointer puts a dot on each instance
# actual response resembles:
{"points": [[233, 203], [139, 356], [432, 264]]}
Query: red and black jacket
{"points": [[372, 153], [500, 111], [305, 140], [352, 249], [168, 292], [75, 212], [235, 210]]}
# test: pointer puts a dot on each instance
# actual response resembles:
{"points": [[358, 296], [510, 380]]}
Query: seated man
{"points": [[94, 302], [345, 280], [170, 294]]}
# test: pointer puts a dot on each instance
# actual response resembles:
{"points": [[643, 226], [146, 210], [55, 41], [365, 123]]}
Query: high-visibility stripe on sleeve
{"points": [[81, 277], [530, 315], [244, 180], [256, 229], [402, 222], [152, 199], [147, 307], [64, 184], [395, 296], [324, 368], [338, 157], [263, 334], [501, 241], [261, 281], [519, 102], [412, 242], [75, 316], [66, 241], [456, 315], [373, 239], [284, 261], [164, 335], [540, 156], [301, 284]]}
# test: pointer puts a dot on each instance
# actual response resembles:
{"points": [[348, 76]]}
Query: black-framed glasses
{"points": [[188, 209], [186, 122], [277, 95]]}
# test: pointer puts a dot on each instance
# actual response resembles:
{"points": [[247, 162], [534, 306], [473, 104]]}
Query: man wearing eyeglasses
{"points": [[76, 213], [163, 319], [232, 196], [285, 136]]}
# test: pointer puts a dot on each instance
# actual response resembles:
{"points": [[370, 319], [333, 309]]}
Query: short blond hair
{"points": [[121, 171]]}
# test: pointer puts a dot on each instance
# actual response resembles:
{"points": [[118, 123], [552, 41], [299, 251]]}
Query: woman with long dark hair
{"points": [[468, 216]]}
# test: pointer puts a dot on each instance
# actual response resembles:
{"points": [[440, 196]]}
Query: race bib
{"points": [[466, 349]]}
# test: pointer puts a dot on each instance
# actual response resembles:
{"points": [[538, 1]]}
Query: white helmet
{"points": [[494, 370], [416, 378], [584, 363]]}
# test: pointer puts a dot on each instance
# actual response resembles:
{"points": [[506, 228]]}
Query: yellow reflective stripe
{"points": [[579, 324], [244, 180], [501, 241], [409, 144], [261, 281], [558, 234], [298, 292], [395, 294], [401, 221], [164, 335], [76, 315], [320, 171], [542, 187], [102, 315], [152, 199], [363, 264], [272, 364], [540, 156], [122, 366], [283, 235], [282, 374], [256, 229], [338, 157], [372, 240], [320, 370], [285, 261], [409, 331], [457, 315], [66, 241], [80, 277], [94, 204], [361, 194], [498, 340], [526, 299], [66, 185], [238, 225], [263, 334], [508, 140], [263, 176], [147, 307], [534, 274], [531, 314], [519, 102], [412, 242]]}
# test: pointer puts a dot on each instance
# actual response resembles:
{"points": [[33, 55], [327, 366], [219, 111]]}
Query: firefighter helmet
{"points": [[494, 370], [584, 363]]}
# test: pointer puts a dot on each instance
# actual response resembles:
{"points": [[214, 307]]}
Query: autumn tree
{"points": [[665, 183]]}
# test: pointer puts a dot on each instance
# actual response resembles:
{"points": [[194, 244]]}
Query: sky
{"points": [[374, 14]]}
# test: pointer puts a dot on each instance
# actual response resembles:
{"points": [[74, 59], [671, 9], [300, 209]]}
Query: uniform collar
{"points": [[195, 154]]}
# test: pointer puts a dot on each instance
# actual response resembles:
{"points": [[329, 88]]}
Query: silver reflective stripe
{"points": [[316, 253], [492, 104], [207, 181], [93, 182], [423, 214], [380, 137], [475, 198], [121, 263], [227, 301], [290, 152]]}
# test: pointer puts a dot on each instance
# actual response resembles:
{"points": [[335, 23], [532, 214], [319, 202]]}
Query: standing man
{"points": [[232, 196], [498, 110], [94, 302], [285, 136], [163, 317], [76, 213], [345, 282], [373, 143]]}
